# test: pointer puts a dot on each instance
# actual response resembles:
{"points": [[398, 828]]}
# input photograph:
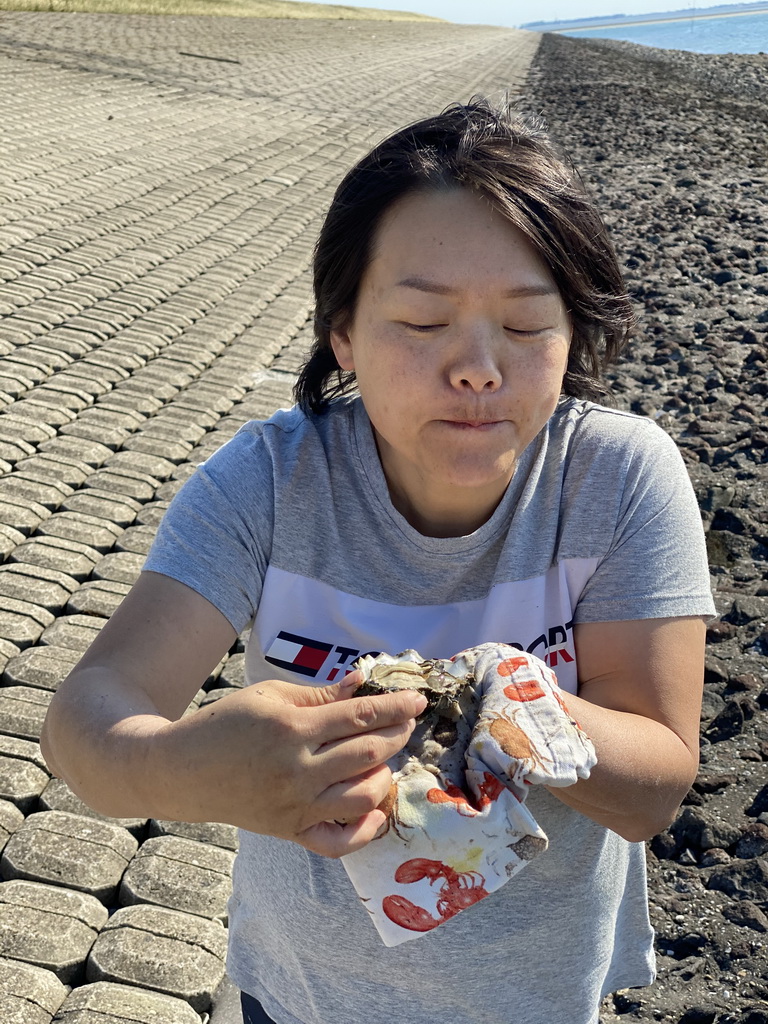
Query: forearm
{"points": [[100, 736], [642, 774]]}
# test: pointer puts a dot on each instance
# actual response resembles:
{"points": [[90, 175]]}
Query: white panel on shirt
{"points": [[309, 632]]}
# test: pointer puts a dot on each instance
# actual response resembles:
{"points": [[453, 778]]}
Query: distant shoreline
{"points": [[543, 27]]}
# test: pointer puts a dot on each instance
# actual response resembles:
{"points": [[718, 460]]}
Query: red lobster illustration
{"points": [[458, 890]]}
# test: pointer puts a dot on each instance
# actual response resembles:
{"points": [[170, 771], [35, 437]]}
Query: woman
{"points": [[466, 287]]}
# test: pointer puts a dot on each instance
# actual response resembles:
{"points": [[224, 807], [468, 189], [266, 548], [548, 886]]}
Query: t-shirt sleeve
{"points": [[216, 536], [655, 565]]}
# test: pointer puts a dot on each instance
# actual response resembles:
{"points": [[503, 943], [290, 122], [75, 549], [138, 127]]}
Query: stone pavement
{"points": [[161, 183]]}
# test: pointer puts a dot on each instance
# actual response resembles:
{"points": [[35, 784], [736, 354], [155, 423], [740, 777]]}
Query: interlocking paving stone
{"points": [[69, 850], [120, 567], [180, 874], [104, 1002], [76, 632], [47, 467], [91, 531], [57, 796], [40, 667], [21, 780], [69, 557], [29, 994], [166, 950], [47, 588], [152, 306], [22, 622], [24, 518], [137, 539], [9, 539], [10, 819], [103, 505], [49, 926], [22, 710], [100, 598], [213, 832], [233, 671]]}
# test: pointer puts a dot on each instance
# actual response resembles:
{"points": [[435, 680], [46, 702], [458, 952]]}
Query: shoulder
{"points": [[596, 438]]}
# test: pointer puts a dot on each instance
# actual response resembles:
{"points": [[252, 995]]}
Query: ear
{"points": [[342, 349]]}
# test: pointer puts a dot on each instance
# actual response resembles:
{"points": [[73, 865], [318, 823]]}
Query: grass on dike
{"points": [[233, 8]]}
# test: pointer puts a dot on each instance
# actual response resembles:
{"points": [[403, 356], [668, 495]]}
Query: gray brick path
{"points": [[157, 216]]}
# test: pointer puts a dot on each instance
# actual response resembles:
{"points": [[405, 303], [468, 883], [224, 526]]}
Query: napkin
{"points": [[457, 826]]}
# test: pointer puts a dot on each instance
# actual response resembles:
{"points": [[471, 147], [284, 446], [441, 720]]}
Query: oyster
{"points": [[444, 728]]}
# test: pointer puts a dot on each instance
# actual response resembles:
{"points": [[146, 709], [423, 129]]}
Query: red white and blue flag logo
{"points": [[298, 653]]}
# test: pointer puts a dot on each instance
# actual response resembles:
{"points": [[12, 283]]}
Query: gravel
{"points": [[674, 145]]}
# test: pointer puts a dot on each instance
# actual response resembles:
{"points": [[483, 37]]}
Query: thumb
{"points": [[302, 696]]}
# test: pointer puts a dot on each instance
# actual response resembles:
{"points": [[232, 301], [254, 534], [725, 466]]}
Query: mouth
{"points": [[473, 424]]}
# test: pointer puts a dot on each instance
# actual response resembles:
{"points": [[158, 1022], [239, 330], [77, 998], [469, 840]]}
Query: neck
{"points": [[464, 513]]}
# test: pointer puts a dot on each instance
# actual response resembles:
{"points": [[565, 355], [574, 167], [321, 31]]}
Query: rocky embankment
{"points": [[676, 148]]}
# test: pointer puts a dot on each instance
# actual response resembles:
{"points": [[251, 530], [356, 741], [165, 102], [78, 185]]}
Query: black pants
{"points": [[253, 1012]]}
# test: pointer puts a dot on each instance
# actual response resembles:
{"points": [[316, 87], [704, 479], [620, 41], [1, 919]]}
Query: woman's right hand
{"points": [[279, 758], [290, 761]]}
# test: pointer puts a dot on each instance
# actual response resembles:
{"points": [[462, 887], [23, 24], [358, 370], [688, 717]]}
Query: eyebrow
{"points": [[421, 284]]}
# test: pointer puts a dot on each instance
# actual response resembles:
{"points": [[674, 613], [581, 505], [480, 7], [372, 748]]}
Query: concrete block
{"points": [[69, 850], [233, 671], [76, 632], [70, 557], [151, 465], [98, 598], [160, 949], [24, 517], [180, 874], [22, 711], [10, 819], [28, 994], [57, 796], [104, 1002], [21, 783], [120, 567], [137, 539], [163, 446], [9, 539], [94, 453], [211, 832], [40, 667], [124, 481], [48, 588], [92, 531], [22, 622], [103, 505], [49, 926]]}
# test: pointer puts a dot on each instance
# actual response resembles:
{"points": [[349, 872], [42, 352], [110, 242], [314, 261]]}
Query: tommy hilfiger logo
{"points": [[317, 659], [306, 657]]}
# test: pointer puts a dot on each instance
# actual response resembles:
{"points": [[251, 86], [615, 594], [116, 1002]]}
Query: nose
{"points": [[475, 366]]}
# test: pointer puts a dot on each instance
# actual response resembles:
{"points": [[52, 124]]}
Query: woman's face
{"points": [[459, 342]]}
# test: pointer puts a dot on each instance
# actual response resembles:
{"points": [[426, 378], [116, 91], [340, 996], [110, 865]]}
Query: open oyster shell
{"points": [[444, 728]]}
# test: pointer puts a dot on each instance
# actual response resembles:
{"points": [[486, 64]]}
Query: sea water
{"points": [[740, 33]]}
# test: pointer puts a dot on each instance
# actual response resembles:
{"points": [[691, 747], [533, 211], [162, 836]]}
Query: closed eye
{"points": [[423, 328], [526, 334]]}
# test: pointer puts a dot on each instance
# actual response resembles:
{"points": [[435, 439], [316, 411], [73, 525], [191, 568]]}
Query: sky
{"points": [[516, 12]]}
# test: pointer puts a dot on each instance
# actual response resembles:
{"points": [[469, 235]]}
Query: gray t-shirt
{"points": [[289, 528]]}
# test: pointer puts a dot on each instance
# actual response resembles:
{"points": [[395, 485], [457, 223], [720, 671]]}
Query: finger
{"points": [[302, 696], [352, 756], [332, 840], [359, 715], [349, 800]]}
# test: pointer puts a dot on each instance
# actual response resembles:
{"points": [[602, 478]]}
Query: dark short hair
{"points": [[509, 159]]}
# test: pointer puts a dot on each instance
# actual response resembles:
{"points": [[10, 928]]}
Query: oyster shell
{"points": [[444, 728]]}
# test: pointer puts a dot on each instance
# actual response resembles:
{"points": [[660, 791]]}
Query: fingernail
{"points": [[418, 701]]}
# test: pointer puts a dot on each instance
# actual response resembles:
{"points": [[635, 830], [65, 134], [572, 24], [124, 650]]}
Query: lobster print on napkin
{"points": [[457, 826]]}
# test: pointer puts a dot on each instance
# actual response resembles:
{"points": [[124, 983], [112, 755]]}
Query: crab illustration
{"points": [[458, 890], [513, 740]]}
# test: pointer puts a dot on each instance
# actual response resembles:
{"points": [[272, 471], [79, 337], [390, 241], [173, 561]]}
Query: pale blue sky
{"points": [[513, 12]]}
